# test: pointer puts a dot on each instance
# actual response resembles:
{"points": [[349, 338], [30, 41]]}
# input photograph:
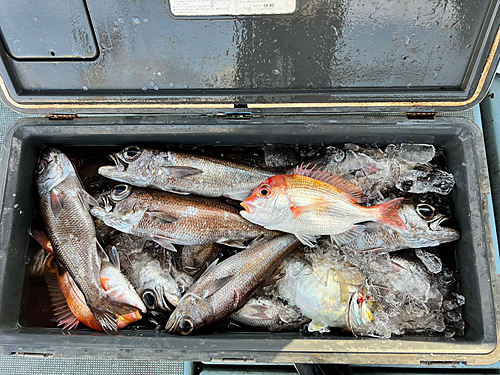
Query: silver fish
{"points": [[267, 313], [225, 287], [423, 225], [405, 166], [175, 219], [183, 173], [70, 228]]}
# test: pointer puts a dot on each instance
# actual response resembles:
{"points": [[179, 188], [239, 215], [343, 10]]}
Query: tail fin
{"points": [[387, 213], [106, 311]]}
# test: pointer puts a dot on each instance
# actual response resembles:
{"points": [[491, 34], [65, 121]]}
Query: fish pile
{"points": [[328, 239]]}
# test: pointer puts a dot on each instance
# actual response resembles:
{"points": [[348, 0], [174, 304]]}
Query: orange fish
{"points": [[68, 301], [312, 203]]}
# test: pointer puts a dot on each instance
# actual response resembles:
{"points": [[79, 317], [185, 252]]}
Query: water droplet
{"points": [[464, 164], [144, 88], [203, 79], [137, 20], [159, 73], [151, 84], [16, 205], [35, 18], [85, 88], [186, 86], [156, 88], [276, 72], [120, 20], [171, 84], [146, 20]]}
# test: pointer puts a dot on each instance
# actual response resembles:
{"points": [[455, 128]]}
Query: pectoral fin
{"points": [[160, 217], [56, 202], [239, 244], [306, 239], [164, 241], [216, 285], [114, 257], [257, 312]]}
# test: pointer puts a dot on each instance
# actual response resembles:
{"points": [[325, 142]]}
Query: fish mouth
{"points": [[107, 203], [120, 165], [171, 325], [438, 223], [169, 302], [247, 206]]}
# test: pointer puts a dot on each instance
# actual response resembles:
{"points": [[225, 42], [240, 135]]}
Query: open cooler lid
{"points": [[158, 56]]}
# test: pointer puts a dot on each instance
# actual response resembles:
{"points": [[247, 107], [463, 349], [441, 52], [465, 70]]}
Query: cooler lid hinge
{"points": [[421, 115], [59, 116]]}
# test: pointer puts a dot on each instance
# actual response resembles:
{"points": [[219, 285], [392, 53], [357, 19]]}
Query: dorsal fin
{"points": [[333, 180]]}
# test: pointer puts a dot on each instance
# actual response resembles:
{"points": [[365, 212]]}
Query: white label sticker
{"points": [[230, 7]]}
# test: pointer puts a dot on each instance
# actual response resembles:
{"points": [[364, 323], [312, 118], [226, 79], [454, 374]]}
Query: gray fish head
{"points": [[136, 165], [157, 288], [424, 221], [121, 208], [192, 313], [52, 169]]}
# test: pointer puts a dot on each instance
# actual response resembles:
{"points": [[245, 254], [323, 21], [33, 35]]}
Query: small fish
{"points": [[267, 313], [65, 211], [423, 225], [171, 219], [330, 294], [156, 287], [224, 288], [311, 203], [182, 173]]}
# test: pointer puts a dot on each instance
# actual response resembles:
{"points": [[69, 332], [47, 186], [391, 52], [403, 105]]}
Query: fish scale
{"points": [[250, 269]]}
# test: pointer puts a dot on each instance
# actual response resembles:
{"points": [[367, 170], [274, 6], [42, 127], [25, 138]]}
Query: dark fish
{"points": [[175, 219], [225, 287], [184, 173], [65, 210]]}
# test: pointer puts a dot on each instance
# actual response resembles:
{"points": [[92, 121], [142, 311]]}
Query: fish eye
{"points": [[426, 211], [120, 192], [264, 191], [40, 167], [186, 325], [131, 153], [149, 299]]}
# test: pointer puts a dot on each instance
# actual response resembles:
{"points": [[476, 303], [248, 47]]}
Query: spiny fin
{"points": [[306, 239], [344, 288], [62, 313], [114, 257], [347, 236], [333, 180], [161, 217], [42, 238], [100, 251], [56, 202], [164, 241], [87, 198], [239, 244], [181, 172], [216, 285]]}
